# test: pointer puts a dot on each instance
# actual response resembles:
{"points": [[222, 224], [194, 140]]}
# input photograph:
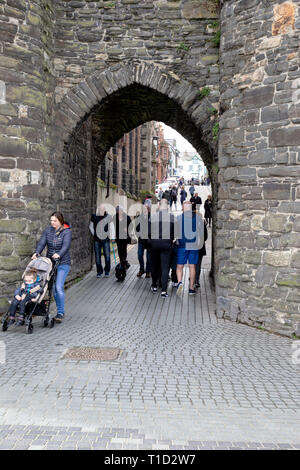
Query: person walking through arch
{"points": [[141, 228], [192, 189], [57, 238], [208, 210], [183, 195], [103, 231], [173, 197], [202, 252], [190, 240], [122, 222], [196, 201], [162, 235], [167, 195]]}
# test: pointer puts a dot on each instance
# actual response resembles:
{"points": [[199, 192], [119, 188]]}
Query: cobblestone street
{"points": [[183, 380]]}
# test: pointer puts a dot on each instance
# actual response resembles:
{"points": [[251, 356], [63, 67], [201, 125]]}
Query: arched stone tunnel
{"points": [[76, 75], [112, 113]]}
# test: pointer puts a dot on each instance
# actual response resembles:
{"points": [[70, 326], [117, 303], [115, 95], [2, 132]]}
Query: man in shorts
{"points": [[190, 240]]}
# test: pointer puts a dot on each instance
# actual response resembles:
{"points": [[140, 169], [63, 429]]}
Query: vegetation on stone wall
{"points": [[215, 130], [205, 91], [101, 183]]}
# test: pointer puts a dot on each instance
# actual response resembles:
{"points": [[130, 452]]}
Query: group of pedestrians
{"points": [[168, 241]]}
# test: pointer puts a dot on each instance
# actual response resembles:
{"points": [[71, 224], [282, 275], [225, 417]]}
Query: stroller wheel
{"points": [[52, 323], [29, 328], [46, 322], [4, 325]]}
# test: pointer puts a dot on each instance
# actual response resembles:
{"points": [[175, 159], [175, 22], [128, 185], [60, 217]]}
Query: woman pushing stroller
{"points": [[57, 239]]}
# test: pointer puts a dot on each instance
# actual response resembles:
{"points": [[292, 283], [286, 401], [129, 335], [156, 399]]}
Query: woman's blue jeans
{"points": [[58, 288]]}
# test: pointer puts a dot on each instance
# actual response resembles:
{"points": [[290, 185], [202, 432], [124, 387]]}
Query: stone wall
{"points": [[26, 75], [76, 75], [258, 218]]}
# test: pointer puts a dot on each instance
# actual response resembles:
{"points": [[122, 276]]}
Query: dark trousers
{"points": [[198, 267], [21, 303], [105, 244], [208, 219], [122, 250], [141, 249], [160, 265]]}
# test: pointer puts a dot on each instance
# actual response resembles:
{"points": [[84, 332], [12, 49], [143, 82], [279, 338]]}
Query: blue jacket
{"points": [[20, 291], [57, 242]]}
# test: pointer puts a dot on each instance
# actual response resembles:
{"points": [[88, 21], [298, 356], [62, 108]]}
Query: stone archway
{"points": [[98, 112]]}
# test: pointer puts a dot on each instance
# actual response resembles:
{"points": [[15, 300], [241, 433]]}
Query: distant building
{"points": [[191, 165], [163, 154], [173, 157], [131, 163]]}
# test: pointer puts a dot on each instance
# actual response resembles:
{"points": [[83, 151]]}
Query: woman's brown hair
{"points": [[59, 217]]}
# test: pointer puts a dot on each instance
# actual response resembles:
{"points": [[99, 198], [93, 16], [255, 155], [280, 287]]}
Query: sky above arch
{"points": [[182, 143]]}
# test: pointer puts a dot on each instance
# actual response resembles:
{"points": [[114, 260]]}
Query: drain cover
{"points": [[92, 354]]}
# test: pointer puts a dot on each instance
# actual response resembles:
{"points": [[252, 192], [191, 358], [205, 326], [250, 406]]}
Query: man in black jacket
{"points": [[162, 231], [196, 201], [122, 222]]}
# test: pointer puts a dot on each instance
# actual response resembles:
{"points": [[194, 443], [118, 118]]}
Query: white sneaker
{"points": [[179, 288]]}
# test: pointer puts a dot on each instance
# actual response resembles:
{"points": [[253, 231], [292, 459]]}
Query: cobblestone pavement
{"points": [[184, 379]]}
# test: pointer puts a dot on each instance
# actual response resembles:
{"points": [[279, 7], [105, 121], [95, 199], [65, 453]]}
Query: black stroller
{"points": [[46, 270]]}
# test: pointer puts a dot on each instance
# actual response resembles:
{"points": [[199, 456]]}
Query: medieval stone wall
{"points": [[258, 238], [26, 75], [76, 75]]}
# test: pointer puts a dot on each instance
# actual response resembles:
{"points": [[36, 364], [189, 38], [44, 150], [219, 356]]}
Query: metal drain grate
{"points": [[92, 354]]}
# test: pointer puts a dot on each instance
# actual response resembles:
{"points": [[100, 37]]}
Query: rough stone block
{"points": [[265, 275], [295, 263], [226, 281], [288, 280], [290, 240], [8, 263], [6, 246], [4, 305], [277, 223], [276, 191], [12, 147], [10, 276], [296, 226], [252, 257], [31, 190], [12, 226], [274, 113], [285, 137], [277, 259], [199, 9], [258, 97], [24, 245]]}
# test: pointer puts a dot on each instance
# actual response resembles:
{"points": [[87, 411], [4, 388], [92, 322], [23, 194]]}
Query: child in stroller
{"points": [[28, 292], [39, 277]]}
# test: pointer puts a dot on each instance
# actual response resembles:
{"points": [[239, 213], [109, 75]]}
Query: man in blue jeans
{"points": [[102, 228], [190, 240]]}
